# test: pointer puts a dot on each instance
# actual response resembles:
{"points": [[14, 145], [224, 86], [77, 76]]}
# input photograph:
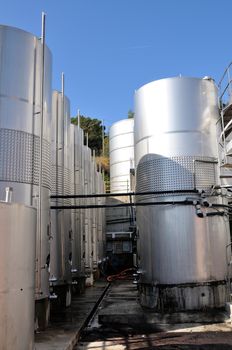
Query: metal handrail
{"points": [[227, 86], [224, 74]]}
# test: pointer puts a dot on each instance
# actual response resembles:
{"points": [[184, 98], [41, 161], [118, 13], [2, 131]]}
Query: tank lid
{"points": [[207, 77]]}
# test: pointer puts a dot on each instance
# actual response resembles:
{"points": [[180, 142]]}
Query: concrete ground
{"points": [[121, 324], [64, 328]]}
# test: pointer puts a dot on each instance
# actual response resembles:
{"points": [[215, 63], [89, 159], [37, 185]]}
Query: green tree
{"points": [[130, 114], [92, 127]]}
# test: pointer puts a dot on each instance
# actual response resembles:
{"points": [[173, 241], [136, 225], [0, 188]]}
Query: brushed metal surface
{"points": [[77, 221], [121, 145], [61, 230], [87, 212], [17, 276], [20, 130], [175, 123]]}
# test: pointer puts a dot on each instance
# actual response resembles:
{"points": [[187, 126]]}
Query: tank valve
{"points": [[199, 212], [53, 296], [9, 192], [52, 279]]}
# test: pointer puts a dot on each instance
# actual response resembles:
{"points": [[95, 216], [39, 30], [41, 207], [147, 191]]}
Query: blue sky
{"points": [[109, 48]]}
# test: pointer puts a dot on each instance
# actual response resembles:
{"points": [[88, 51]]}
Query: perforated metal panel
{"points": [[175, 173], [20, 158]]}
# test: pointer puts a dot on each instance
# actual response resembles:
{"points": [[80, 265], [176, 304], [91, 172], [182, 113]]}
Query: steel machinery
{"points": [[183, 225], [17, 271], [25, 93], [61, 229]]}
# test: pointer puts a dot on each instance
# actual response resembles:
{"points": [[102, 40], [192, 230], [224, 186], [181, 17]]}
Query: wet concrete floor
{"points": [[120, 323], [63, 332]]}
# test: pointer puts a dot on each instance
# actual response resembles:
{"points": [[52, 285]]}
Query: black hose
{"points": [[122, 194]]}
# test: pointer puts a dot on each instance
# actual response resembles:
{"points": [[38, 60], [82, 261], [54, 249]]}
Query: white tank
{"points": [[182, 256], [61, 230], [78, 188], [20, 111], [17, 271], [87, 216], [121, 146]]}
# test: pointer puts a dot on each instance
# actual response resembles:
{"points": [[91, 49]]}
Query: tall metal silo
{"points": [[17, 271], [94, 212], [88, 234], [78, 262], [121, 145], [20, 127], [184, 235], [60, 271], [100, 217]]}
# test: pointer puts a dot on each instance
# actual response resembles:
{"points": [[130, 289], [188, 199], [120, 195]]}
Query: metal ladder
{"points": [[225, 106]]}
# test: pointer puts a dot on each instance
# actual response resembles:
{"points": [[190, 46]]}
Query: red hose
{"points": [[123, 275]]}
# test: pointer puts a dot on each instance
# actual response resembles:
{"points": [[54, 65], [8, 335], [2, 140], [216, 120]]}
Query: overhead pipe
{"points": [[122, 194]]}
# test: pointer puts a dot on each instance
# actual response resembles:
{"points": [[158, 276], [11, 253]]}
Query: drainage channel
{"points": [[92, 314]]}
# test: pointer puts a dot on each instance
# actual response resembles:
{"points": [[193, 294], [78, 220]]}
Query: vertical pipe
{"points": [[87, 139], [41, 146], [9, 191], [103, 137], [78, 118], [34, 113], [63, 175]]}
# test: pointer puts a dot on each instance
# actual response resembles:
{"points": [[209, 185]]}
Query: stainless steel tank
{"points": [[17, 276], [88, 234], [20, 111], [77, 221], [61, 230], [121, 145], [94, 213], [182, 250], [100, 218]]}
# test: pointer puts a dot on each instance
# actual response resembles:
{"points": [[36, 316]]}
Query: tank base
{"points": [[42, 312], [183, 297], [89, 280], [78, 286], [63, 297]]}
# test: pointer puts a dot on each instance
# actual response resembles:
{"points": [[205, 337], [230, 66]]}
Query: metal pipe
{"points": [[9, 192], [78, 119], [41, 145], [224, 74], [63, 173], [140, 204], [87, 139], [103, 138], [122, 194]]}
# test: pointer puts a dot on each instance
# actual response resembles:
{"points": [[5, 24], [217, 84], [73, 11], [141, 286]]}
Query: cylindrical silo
{"points": [[121, 145], [88, 233], [100, 217], [61, 230], [182, 239], [94, 212], [17, 276], [20, 148], [78, 262]]}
